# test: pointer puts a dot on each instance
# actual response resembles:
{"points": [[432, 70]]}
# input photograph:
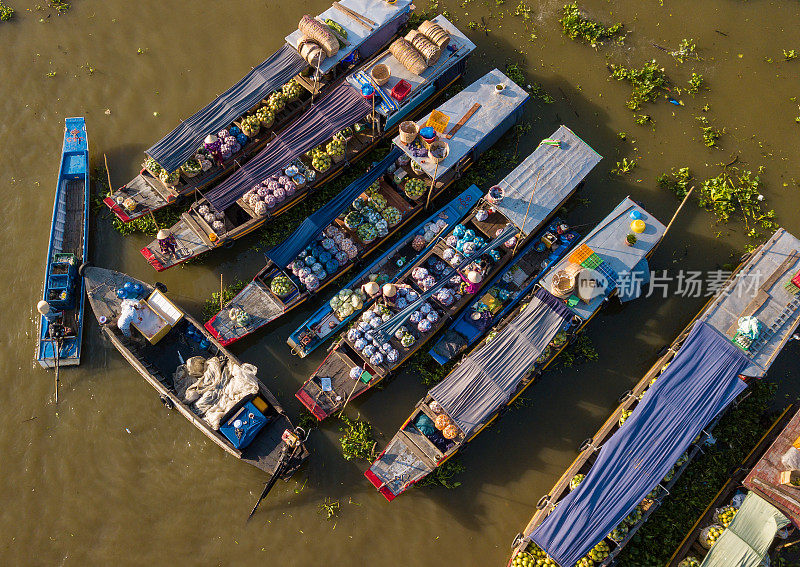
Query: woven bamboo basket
{"points": [[311, 51], [408, 56], [562, 284], [408, 131], [429, 50], [380, 74], [436, 33], [320, 33]]}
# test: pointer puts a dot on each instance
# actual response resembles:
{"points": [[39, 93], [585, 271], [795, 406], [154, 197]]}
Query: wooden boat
{"points": [[392, 264], [786, 425], [775, 303], [542, 325], [350, 365], [261, 305], [147, 192], [59, 343], [510, 286], [254, 429], [196, 232]]}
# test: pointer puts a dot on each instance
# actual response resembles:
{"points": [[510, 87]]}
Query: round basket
{"points": [[429, 50], [380, 74], [438, 151], [562, 284], [408, 131], [436, 33]]}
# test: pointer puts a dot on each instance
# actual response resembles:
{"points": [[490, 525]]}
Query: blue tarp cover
{"points": [[175, 148], [340, 108], [305, 234], [699, 383]]}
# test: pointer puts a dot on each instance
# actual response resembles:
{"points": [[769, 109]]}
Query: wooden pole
{"points": [[108, 174], [358, 379], [56, 357], [672, 220], [535, 185], [433, 184], [220, 292], [373, 113]]}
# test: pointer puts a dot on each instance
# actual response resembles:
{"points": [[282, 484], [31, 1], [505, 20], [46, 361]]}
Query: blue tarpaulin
{"points": [[175, 148], [341, 107], [699, 383], [305, 234]]}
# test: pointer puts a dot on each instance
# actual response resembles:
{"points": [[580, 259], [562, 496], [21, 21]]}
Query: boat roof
{"points": [[382, 13], [181, 143], [551, 172], [764, 478], [607, 240], [760, 290], [458, 48], [494, 109]]}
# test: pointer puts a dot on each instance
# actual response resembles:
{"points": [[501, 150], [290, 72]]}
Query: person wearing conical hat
{"points": [[389, 292], [46, 311], [167, 243], [473, 279], [371, 289]]}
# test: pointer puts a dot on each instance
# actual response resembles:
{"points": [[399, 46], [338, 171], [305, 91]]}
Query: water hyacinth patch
{"points": [[647, 82], [576, 25], [6, 12]]}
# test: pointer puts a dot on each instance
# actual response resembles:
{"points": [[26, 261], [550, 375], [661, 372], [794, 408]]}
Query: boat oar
{"points": [[433, 184], [522, 228], [108, 174], [358, 379], [283, 459], [56, 356]]}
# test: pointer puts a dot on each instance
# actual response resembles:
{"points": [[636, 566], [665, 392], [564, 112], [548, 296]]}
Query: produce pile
{"points": [[281, 286], [371, 218], [690, 561], [361, 336], [335, 148], [291, 90], [680, 462], [251, 125], [724, 516], [575, 481], [269, 193], [462, 243], [329, 253], [534, 556], [265, 116], [710, 534], [347, 302], [415, 188], [215, 219]]}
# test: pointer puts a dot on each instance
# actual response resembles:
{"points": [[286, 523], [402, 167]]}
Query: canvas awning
{"points": [[340, 108], [699, 383], [175, 148], [748, 538], [485, 380], [305, 234], [550, 173]]}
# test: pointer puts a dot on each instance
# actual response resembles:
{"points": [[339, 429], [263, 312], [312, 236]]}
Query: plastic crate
{"points": [[65, 257], [580, 254], [59, 281], [592, 262]]}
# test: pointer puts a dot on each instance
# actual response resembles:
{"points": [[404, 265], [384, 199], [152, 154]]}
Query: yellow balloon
{"points": [[638, 226]]}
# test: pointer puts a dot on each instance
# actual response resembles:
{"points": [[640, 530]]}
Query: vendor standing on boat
{"points": [[472, 281], [129, 314], [167, 243], [371, 289]]}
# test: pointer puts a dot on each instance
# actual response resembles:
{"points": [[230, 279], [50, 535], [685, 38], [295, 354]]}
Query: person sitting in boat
{"points": [[129, 314], [46, 311], [472, 280], [390, 292], [371, 289], [167, 243]]}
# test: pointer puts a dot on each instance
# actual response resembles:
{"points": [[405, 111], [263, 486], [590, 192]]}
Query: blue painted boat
{"points": [[391, 265], [505, 291], [60, 340]]}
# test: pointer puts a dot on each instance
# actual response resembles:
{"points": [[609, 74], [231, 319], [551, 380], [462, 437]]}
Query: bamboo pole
{"points": [[672, 220], [433, 184], [358, 379], [108, 174], [522, 228], [220, 292]]}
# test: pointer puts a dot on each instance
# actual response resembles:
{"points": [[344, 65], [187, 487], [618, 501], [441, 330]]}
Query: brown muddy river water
{"points": [[109, 476]]}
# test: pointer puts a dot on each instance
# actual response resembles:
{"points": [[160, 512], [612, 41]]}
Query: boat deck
{"points": [[762, 289], [255, 300]]}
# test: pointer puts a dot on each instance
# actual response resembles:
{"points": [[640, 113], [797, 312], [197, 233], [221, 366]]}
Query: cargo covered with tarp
{"points": [[746, 541], [552, 171], [305, 234], [179, 145], [340, 108], [701, 381], [486, 379]]}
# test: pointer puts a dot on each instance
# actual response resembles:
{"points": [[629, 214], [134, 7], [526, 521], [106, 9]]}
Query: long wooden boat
{"points": [[785, 425], [353, 368], [510, 286], [226, 212], [398, 259], [774, 300], [517, 352], [251, 425], [60, 342], [394, 187], [150, 191]]}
